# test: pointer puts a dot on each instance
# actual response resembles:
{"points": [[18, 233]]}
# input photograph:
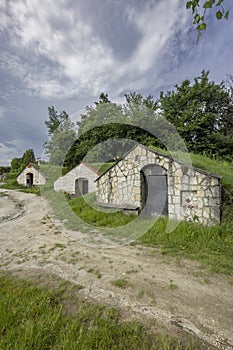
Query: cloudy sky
{"points": [[66, 52]]}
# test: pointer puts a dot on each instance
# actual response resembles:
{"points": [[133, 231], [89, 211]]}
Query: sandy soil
{"points": [[179, 295]]}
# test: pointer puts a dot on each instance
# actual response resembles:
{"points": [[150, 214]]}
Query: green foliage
{"points": [[53, 172], [34, 318], [199, 13], [62, 135], [55, 119], [227, 204], [12, 175], [28, 157], [106, 143], [202, 113], [11, 183], [4, 169], [17, 164], [117, 123]]}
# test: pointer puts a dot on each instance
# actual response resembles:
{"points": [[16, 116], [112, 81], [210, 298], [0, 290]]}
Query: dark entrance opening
{"points": [[29, 179], [154, 190], [81, 186]]}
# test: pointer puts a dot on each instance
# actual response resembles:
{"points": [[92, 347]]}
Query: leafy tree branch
{"points": [[199, 10]]}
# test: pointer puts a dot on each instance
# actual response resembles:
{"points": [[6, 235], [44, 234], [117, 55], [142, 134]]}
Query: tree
{"points": [[103, 99], [199, 9], [62, 135], [137, 110], [55, 119], [15, 164], [4, 169], [104, 112], [138, 119], [202, 114], [119, 124], [28, 157]]}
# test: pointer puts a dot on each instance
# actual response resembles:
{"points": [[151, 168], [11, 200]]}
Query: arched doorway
{"points": [[29, 179], [81, 186], [154, 190]]}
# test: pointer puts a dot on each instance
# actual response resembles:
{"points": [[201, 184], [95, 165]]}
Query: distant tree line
{"points": [[4, 169], [197, 116]]}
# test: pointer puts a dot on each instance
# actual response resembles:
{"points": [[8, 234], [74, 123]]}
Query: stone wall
{"points": [[38, 177], [193, 194], [66, 183]]}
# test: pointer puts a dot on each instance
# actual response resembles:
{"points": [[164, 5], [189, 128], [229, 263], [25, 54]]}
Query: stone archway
{"points": [[81, 186], [154, 190], [29, 179]]}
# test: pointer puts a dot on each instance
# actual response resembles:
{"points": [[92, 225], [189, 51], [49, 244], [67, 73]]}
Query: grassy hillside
{"points": [[214, 166], [218, 167]]}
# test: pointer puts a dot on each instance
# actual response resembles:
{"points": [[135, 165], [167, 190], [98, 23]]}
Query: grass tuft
{"points": [[122, 283], [95, 217], [213, 245]]}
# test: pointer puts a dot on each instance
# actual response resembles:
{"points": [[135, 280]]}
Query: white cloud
{"points": [[55, 53], [3, 112], [7, 149], [157, 24]]}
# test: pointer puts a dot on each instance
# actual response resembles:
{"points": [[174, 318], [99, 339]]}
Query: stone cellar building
{"points": [[156, 184], [31, 175], [78, 181]]}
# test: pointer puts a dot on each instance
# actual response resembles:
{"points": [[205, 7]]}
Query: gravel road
{"points": [[179, 295]]}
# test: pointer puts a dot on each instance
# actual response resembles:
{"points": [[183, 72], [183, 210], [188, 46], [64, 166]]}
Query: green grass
{"points": [[97, 218], [122, 283], [53, 172], [34, 318], [13, 185], [95, 272], [34, 190], [219, 167], [102, 167], [212, 246]]}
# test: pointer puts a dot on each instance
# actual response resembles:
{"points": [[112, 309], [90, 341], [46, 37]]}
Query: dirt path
{"points": [[180, 295]]}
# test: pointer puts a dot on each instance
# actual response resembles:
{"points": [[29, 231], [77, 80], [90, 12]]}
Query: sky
{"points": [[64, 53]]}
